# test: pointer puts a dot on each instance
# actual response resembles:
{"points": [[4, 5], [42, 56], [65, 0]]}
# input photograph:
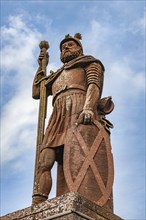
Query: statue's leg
{"points": [[44, 179]]}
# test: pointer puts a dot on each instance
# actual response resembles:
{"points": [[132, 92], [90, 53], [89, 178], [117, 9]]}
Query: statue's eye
{"points": [[63, 47], [70, 44]]}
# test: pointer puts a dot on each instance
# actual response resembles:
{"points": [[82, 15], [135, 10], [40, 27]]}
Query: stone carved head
{"points": [[70, 48]]}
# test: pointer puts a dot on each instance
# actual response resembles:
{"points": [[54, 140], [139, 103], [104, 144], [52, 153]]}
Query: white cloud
{"points": [[95, 38], [134, 27], [125, 80], [19, 43], [19, 113]]}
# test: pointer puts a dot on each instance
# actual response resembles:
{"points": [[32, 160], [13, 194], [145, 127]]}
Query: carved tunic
{"points": [[69, 94]]}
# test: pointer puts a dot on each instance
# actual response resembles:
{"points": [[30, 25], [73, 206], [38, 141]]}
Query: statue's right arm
{"points": [[36, 86], [39, 76]]}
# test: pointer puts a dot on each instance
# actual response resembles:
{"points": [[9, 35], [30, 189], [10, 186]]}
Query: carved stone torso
{"points": [[70, 79], [69, 92]]}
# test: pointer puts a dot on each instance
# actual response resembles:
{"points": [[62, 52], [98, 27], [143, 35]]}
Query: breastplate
{"points": [[72, 78]]}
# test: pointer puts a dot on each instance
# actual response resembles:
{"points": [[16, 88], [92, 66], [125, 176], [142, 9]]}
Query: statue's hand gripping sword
{"points": [[42, 113]]}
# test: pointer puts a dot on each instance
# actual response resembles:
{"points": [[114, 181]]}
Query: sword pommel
{"points": [[44, 44]]}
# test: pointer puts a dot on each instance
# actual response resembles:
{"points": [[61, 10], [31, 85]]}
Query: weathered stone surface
{"points": [[70, 206]]}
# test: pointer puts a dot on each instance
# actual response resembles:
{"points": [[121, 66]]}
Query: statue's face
{"points": [[69, 51]]}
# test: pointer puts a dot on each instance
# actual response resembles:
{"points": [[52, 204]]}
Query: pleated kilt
{"points": [[67, 107]]}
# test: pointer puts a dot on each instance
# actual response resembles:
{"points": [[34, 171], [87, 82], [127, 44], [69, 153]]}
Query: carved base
{"points": [[70, 206]]}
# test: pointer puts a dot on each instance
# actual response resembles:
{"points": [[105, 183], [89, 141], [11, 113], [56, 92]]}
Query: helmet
{"points": [[77, 37]]}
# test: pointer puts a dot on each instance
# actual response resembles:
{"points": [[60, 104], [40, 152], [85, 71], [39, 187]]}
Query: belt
{"points": [[68, 90]]}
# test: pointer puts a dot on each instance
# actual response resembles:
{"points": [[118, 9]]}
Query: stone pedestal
{"points": [[70, 206]]}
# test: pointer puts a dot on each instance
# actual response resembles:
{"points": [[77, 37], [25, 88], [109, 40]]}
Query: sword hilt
{"points": [[44, 45]]}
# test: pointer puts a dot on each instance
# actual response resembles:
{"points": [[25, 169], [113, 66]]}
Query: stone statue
{"points": [[78, 134]]}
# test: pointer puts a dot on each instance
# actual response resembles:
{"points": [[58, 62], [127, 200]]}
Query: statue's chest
{"points": [[69, 77]]}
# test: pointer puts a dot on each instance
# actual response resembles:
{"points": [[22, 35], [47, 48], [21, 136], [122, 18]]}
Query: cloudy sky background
{"points": [[114, 32]]}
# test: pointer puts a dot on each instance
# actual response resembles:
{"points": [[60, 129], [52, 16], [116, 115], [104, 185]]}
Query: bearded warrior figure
{"points": [[78, 133]]}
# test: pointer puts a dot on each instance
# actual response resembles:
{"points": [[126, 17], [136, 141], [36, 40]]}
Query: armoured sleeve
{"points": [[95, 75]]}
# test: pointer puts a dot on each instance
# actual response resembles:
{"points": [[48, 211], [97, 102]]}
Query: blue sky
{"points": [[112, 31]]}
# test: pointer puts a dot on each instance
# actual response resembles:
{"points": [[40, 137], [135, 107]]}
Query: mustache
{"points": [[67, 50]]}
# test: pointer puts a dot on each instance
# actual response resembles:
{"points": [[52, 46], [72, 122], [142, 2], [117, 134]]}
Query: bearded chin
{"points": [[71, 56]]}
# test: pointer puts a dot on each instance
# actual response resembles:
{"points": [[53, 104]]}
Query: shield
{"points": [[88, 162]]}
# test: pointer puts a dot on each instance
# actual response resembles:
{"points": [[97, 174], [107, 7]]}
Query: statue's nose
{"points": [[66, 47]]}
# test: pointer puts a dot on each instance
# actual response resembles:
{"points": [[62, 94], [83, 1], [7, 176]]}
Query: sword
{"points": [[42, 113]]}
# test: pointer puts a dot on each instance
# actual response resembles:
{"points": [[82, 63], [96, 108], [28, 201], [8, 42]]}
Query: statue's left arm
{"points": [[94, 76]]}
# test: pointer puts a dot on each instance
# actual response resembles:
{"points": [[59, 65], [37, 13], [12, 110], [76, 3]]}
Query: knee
{"points": [[47, 159]]}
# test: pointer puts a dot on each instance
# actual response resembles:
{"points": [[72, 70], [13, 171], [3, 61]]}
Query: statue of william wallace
{"points": [[78, 134]]}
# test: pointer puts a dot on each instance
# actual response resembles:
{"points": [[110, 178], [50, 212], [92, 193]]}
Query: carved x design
{"points": [[89, 161]]}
